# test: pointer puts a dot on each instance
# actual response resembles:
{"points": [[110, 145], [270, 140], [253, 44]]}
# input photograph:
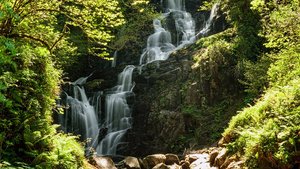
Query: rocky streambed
{"points": [[209, 158]]}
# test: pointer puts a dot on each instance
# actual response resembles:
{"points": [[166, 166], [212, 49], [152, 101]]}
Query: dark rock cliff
{"points": [[164, 91]]}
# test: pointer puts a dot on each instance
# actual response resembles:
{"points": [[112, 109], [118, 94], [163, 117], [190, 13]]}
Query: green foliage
{"points": [[53, 24], [28, 89], [246, 24], [66, 153], [285, 67], [276, 17], [255, 76], [269, 128], [36, 38], [267, 133], [181, 142], [207, 5], [263, 39], [208, 112], [209, 121], [131, 37]]}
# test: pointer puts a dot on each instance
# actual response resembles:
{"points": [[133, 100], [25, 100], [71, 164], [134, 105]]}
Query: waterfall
{"points": [[80, 116], [117, 113], [114, 61], [105, 130], [208, 24], [159, 44]]}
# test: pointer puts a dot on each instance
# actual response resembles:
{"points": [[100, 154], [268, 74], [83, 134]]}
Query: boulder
{"points": [[212, 156], [171, 159], [235, 165], [185, 164], [193, 157], [227, 162], [200, 164], [220, 159], [102, 162], [174, 166], [152, 160], [161, 166], [131, 163], [221, 142]]}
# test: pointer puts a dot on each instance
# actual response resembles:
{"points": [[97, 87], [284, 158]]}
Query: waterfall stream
{"points": [[117, 113], [83, 115], [80, 117]]}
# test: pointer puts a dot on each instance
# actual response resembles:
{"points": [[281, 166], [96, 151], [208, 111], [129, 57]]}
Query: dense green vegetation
{"points": [[255, 61], [263, 39], [29, 87], [39, 39]]}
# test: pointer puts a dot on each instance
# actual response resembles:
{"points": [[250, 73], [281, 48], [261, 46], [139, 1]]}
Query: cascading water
{"points": [[106, 130], [114, 61], [80, 116], [117, 113], [159, 44], [208, 23]]}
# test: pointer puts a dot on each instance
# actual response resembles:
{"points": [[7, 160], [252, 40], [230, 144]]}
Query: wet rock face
{"points": [[157, 123], [167, 126]]}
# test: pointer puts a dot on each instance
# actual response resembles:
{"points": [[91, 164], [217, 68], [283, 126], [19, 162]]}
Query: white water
{"points": [[117, 113], [208, 24], [83, 116], [114, 61], [159, 44], [80, 116]]}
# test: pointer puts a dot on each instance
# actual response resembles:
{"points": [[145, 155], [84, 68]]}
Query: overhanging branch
{"points": [[32, 38]]}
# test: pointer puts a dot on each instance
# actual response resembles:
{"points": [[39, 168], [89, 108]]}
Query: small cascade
{"points": [[178, 5], [80, 116], [114, 61], [159, 44], [208, 24], [117, 114]]}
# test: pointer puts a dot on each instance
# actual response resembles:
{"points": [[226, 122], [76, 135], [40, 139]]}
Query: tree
{"points": [[49, 23]]}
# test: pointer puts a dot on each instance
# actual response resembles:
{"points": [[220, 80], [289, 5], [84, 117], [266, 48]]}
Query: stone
{"points": [[185, 165], [224, 140], [193, 157], [86, 163], [221, 142], [227, 162], [132, 163], [161, 166], [235, 165], [174, 166], [102, 162], [152, 160], [220, 159], [201, 164], [212, 156], [171, 159]]}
